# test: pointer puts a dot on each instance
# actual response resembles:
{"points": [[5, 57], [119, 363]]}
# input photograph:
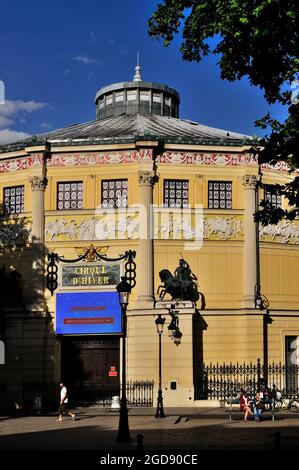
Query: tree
{"points": [[258, 39]]}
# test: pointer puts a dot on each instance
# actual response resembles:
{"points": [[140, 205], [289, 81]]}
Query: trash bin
{"points": [[37, 404]]}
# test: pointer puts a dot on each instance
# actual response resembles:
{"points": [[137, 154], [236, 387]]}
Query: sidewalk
{"points": [[183, 429]]}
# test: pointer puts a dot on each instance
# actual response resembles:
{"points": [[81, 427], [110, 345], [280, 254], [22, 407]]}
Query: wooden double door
{"points": [[91, 359]]}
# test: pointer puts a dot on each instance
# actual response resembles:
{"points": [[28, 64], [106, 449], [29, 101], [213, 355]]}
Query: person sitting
{"points": [[268, 397], [258, 405], [244, 405]]}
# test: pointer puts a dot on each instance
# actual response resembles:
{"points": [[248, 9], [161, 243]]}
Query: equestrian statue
{"points": [[182, 285]]}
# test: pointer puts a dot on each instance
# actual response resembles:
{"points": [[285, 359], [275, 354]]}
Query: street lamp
{"points": [[123, 435], [173, 328], [172, 325], [160, 411], [177, 336]]}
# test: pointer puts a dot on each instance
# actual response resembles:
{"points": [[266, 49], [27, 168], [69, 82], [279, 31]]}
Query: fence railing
{"points": [[139, 394], [222, 381]]}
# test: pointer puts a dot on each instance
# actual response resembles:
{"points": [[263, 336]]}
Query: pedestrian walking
{"points": [[63, 405]]}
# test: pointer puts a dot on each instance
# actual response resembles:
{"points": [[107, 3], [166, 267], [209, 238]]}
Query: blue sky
{"points": [[55, 55]]}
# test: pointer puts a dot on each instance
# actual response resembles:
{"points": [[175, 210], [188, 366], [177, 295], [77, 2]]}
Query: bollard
{"points": [[139, 442], [37, 404], [273, 409], [115, 403]]}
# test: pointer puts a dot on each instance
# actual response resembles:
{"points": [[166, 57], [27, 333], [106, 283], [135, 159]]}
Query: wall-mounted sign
{"points": [[112, 372], [89, 275], [87, 313]]}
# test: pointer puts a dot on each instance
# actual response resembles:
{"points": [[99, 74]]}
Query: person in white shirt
{"points": [[64, 403]]}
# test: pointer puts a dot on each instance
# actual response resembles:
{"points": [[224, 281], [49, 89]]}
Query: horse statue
{"points": [[181, 286]]}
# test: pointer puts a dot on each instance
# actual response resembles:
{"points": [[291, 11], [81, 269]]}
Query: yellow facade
{"points": [[230, 332]]}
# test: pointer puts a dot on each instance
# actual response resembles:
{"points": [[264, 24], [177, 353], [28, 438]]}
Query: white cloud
{"points": [[16, 110], [83, 59], [46, 125], [7, 136], [4, 121], [12, 108]]}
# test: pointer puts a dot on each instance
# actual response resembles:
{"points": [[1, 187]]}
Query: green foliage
{"points": [[258, 39]]}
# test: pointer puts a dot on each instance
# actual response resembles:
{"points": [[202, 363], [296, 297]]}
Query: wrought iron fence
{"points": [[222, 381], [139, 394]]}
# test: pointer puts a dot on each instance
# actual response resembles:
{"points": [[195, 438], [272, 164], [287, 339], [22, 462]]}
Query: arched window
{"points": [[2, 353]]}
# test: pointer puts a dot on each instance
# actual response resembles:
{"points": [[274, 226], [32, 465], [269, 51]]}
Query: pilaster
{"points": [[249, 253]]}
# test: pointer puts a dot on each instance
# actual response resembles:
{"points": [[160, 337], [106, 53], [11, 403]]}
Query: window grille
{"points": [[220, 195], [70, 195], [13, 199], [273, 195], [115, 193], [176, 193]]}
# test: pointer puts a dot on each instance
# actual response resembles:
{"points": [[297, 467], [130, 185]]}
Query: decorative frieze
{"points": [[219, 159], [124, 157], [167, 225], [18, 164], [284, 232]]}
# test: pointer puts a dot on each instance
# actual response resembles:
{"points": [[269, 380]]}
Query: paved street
{"points": [[188, 429]]}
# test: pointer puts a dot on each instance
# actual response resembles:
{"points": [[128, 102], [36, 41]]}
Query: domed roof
{"points": [[128, 111]]}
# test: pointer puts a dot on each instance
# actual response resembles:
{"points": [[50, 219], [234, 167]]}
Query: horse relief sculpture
{"points": [[181, 286]]}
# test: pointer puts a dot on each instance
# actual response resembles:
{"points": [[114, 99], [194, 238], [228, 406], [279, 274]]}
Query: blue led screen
{"points": [[87, 313]]}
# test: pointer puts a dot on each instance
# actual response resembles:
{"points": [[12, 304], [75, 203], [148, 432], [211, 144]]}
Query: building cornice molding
{"points": [[131, 156]]}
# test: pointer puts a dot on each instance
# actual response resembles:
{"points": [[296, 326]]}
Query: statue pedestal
{"points": [[175, 304], [177, 361]]}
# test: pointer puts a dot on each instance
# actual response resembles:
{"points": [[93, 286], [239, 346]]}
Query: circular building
{"points": [[182, 196]]}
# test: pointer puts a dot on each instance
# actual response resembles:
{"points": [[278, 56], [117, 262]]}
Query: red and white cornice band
{"points": [[125, 157]]}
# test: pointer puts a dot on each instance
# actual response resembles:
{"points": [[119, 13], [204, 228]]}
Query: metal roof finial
{"points": [[137, 76]]}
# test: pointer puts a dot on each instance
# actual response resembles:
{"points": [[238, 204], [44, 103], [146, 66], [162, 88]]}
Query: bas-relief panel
{"points": [[173, 227], [285, 231], [167, 225]]}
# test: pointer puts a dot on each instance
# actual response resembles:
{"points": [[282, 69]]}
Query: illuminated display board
{"points": [[87, 313]]}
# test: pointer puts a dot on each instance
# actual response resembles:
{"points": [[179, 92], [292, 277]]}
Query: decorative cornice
{"points": [[124, 157], [18, 164], [219, 159]]}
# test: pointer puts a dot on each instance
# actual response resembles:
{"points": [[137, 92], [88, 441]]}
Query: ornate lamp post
{"points": [[176, 335], [123, 435], [160, 411], [124, 289], [173, 328]]}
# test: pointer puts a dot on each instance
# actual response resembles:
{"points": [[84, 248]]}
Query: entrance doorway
{"points": [[90, 368]]}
